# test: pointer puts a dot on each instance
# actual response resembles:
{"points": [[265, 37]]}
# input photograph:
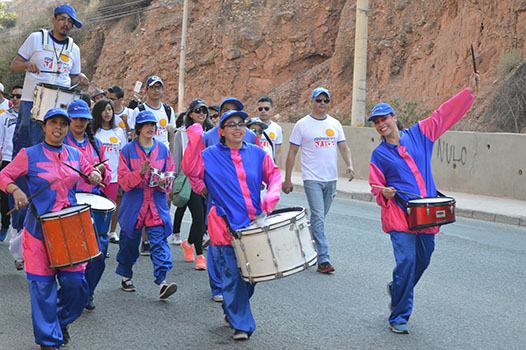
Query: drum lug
{"points": [[427, 211]]}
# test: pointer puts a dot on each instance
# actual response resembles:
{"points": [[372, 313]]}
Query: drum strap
{"points": [[65, 50], [400, 201], [269, 141]]}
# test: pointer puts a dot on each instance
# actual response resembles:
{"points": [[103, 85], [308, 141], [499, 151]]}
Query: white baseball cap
{"points": [[2, 87]]}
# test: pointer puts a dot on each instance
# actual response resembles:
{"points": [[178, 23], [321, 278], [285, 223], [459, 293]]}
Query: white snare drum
{"points": [[153, 179], [47, 96], [280, 247], [169, 178]]}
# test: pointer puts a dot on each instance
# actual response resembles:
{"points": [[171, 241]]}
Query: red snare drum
{"points": [[432, 211]]}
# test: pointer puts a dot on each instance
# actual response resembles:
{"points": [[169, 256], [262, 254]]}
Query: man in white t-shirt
{"points": [[47, 57], [163, 112], [4, 102], [320, 136], [274, 132], [116, 94]]}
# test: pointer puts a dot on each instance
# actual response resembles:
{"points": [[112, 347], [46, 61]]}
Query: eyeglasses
{"points": [[264, 108], [377, 120], [202, 110], [16, 96], [326, 100], [256, 131], [235, 125], [156, 87], [214, 116]]}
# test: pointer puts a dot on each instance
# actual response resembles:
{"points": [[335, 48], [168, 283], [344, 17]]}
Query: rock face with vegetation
{"points": [[418, 53]]}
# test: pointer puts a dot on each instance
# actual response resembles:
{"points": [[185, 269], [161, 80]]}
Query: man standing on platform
{"points": [[319, 135]]}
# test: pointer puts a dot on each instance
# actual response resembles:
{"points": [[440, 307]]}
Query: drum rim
{"points": [[413, 202], [283, 223], [76, 262], [82, 208], [98, 195], [299, 268], [58, 87]]}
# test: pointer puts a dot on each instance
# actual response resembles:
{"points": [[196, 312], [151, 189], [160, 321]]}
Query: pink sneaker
{"points": [[188, 251], [200, 262]]}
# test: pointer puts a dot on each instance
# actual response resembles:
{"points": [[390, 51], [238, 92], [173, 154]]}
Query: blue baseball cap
{"points": [[57, 111], [145, 117], [152, 80], [231, 113], [79, 109], [233, 100], [67, 9], [381, 109], [320, 90]]}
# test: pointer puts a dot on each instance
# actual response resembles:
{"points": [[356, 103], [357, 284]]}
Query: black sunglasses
{"points": [[255, 131], [16, 96], [214, 116], [202, 110], [326, 100], [263, 108]]}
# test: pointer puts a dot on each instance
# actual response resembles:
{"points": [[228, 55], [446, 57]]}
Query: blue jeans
{"points": [[27, 132], [319, 195]]}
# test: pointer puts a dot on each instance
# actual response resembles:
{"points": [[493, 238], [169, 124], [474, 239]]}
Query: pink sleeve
{"points": [[376, 177], [107, 173], [128, 179], [272, 177], [192, 163], [447, 115], [85, 166], [196, 184], [15, 169]]}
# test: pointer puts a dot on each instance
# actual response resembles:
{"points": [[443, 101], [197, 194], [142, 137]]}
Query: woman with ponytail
{"points": [[113, 139], [80, 136]]}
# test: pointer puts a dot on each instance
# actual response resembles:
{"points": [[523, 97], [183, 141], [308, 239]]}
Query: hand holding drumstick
{"points": [[389, 192]]}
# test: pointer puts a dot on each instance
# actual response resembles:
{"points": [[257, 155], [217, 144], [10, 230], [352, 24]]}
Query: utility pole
{"points": [[360, 64], [182, 60]]}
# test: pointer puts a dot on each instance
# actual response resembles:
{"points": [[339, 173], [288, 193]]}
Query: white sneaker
{"points": [[206, 240], [176, 238], [113, 237]]}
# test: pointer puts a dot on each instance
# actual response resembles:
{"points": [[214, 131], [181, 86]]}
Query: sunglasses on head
{"points": [[266, 108], [16, 96], [202, 110], [326, 100]]}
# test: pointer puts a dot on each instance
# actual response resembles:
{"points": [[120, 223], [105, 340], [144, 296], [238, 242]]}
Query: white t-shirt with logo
{"points": [[275, 133], [318, 139], [7, 128], [119, 121], [31, 50], [162, 121], [113, 140]]}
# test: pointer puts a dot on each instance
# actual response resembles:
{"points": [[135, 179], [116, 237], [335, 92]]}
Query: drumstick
{"points": [[49, 72], [86, 177], [99, 163], [36, 194], [473, 58], [409, 193]]}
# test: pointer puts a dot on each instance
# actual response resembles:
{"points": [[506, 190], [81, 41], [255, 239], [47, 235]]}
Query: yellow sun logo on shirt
{"points": [[329, 132], [64, 58], [272, 135], [122, 125], [2, 111], [163, 122], [113, 139]]}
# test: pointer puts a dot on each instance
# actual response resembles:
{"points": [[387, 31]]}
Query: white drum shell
{"points": [[280, 249], [47, 96]]}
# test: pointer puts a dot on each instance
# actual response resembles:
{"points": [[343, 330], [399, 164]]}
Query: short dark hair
{"points": [[266, 99], [17, 86], [86, 98], [117, 90], [139, 126]]}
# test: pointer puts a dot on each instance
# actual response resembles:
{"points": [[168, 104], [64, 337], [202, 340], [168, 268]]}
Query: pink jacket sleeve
{"points": [[85, 166], [192, 163], [107, 173], [447, 115], [129, 179], [15, 169], [376, 177], [196, 184], [272, 177]]}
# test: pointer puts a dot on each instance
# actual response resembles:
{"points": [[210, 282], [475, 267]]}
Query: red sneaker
{"points": [[200, 262], [325, 267], [188, 251]]}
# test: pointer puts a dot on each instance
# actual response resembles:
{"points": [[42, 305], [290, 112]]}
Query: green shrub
{"points": [[509, 60]]}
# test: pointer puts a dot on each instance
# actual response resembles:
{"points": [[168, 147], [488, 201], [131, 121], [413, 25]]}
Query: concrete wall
{"points": [[480, 163]]}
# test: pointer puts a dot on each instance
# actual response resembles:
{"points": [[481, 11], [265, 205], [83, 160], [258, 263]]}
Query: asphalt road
{"points": [[471, 297]]}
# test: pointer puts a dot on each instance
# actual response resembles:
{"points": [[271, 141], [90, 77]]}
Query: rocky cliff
{"points": [[419, 51]]}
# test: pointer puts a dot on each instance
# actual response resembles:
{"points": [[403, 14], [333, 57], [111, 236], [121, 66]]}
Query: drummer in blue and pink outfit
{"points": [[80, 136], [144, 206], [51, 310], [233, 172], [402, 161]]}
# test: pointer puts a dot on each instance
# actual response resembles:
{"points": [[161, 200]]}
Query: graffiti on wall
{"points": [[450, 153]]}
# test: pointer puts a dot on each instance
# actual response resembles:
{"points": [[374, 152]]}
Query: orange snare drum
{"points": [[431, 211], [69, 236]]}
